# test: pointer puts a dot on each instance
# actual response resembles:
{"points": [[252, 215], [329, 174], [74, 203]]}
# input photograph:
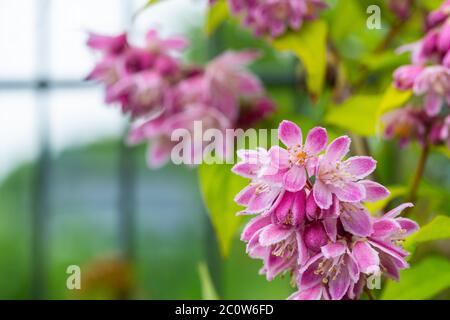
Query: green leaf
{"points": [[309, 45], [393, 99], [431, 4], [423, 280], [396, 191], [217, 14], [151, 2], [443, 149], [356, 114], [208, 290], [219, 186], [437, 229]]}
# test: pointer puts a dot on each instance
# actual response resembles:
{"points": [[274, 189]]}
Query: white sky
{"points": [[75, 116]]}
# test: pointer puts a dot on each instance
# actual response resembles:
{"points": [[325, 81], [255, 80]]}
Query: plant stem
{"points": [[419, 173], [369, 294]]}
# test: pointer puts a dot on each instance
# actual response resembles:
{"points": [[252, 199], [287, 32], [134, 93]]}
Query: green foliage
{"points": [[208, 290], [309, 45], [393, 99], [217, 14], [356, 114], [423, 280], [219, 186], [349, 32], [437, 229]]}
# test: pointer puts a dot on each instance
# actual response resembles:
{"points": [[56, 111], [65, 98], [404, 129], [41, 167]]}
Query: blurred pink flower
{"points": [[275, 17]]}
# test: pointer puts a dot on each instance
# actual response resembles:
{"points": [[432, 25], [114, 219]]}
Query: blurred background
{"points": [[71, 193]]}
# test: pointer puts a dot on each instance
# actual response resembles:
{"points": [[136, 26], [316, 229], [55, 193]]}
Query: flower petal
{"points": [[356, 219], [246, 170], [311, 207], [308, 276], [245, 195], [409, 226], [279, 157], [283, 207], [322, 195], [397, 210], [349, 192], [298, 208], [316, 140], [333, 250], [383, 228], [289, 133], [253, 226], [294, 179], [273, 234], [339, 284], [366, 257], [314, 293], [338, 149], [374, 191], [330, 226], [303, 255], [389, 267], [352, 267], [360, 167], [433, 103]]}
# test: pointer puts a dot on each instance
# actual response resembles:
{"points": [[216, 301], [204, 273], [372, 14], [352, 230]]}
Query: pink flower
{"points": [[402, 8], [275, 17], [434, 83], [227, 80], [141, 94], [329, 274], [298, 159], [340, 178], [405, 124], [329, 248], [439, 15], [161, 93], [405, 76], [389, 231], [108, 45], [265, 187], [275, 244]]}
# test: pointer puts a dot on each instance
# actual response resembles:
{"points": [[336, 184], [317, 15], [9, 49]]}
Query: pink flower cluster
{"points": [[311, 221], [426, 117], [161, 93], [401, 8], [275, 17]]}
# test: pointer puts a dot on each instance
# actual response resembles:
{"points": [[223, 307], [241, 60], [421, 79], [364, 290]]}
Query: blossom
{"points": [[320, 233], [227, 80], [161, 93], [401, 8], [428, 77], [298, 158], [405, 124], [275, 17], [334, 176], [434, 83], [328, 274]]}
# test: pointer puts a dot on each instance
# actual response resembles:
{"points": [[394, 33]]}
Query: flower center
{"points": [[285, 248], [329, 269], [261, 188], [298, 156]]}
